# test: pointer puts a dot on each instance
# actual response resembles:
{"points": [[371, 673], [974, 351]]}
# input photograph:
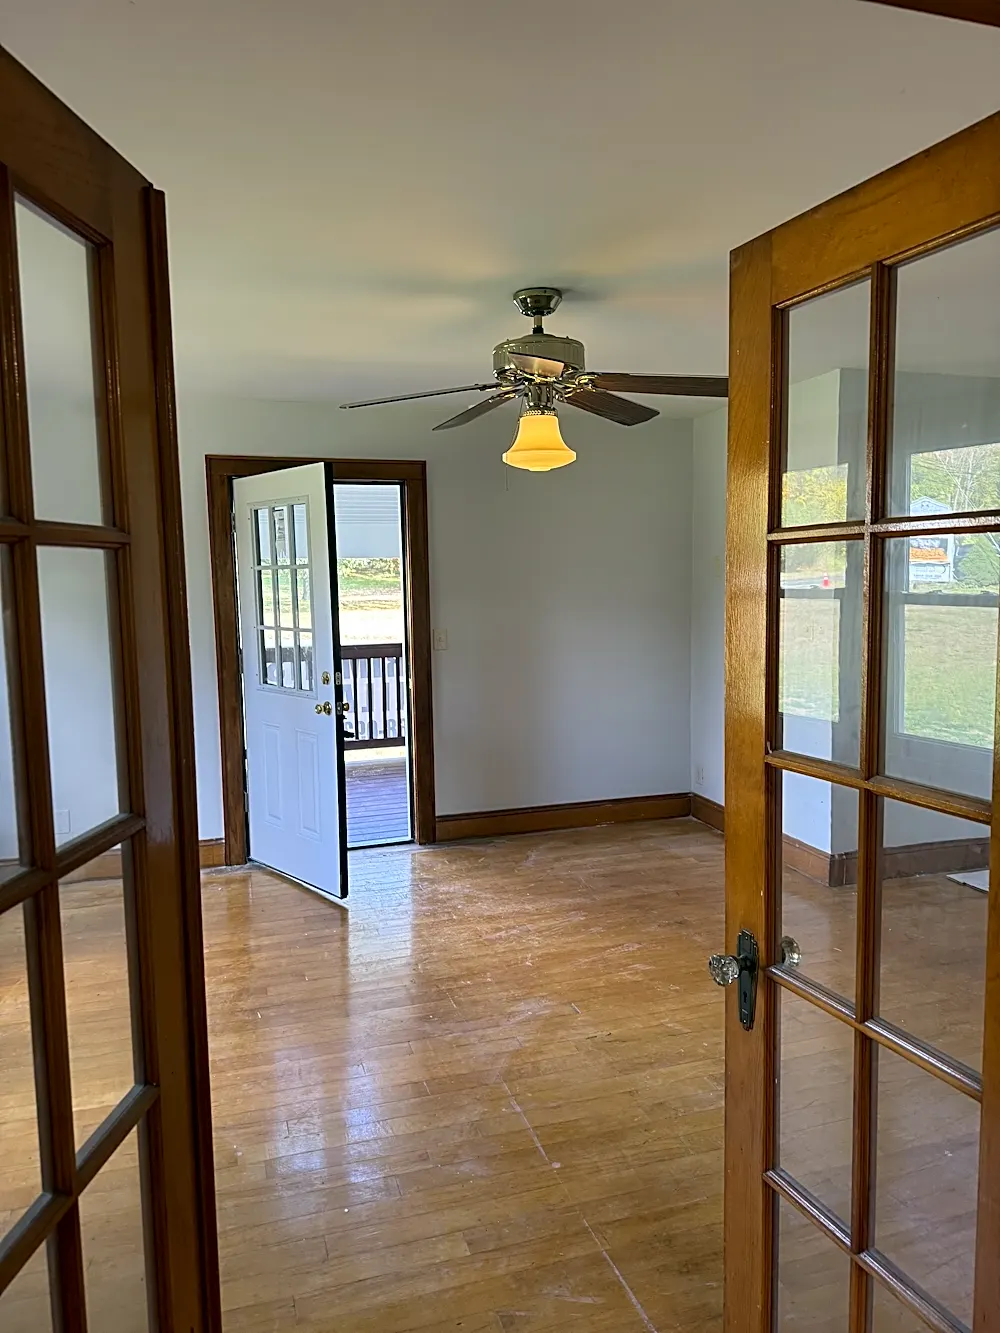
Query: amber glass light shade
{"points": [[538, 445]]}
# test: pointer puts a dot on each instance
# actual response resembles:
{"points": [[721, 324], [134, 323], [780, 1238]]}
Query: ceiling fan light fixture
{"points": [[538, 445]]}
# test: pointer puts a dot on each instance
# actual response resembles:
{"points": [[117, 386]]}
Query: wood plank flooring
{"points": [[487, 1095]]}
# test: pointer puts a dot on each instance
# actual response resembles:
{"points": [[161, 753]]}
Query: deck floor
{"points": [[378, 802]]}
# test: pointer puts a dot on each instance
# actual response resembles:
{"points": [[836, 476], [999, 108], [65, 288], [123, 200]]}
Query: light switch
{"points": [[440, 640]]}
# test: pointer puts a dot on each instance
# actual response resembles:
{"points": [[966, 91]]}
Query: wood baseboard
{"points": [[551, 818], [811, 861], [947, 857], [708, 811], [211, 854]]}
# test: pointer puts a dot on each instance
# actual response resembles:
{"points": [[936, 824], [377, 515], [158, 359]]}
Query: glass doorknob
{"points": [[724, 968], [741, 967], [791, 952]]}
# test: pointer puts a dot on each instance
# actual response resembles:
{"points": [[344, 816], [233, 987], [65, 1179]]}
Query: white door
{"points": [[292, 718]]}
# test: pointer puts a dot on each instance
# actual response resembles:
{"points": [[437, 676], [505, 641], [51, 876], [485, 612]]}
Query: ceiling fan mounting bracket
{"points": [[537, 303]]}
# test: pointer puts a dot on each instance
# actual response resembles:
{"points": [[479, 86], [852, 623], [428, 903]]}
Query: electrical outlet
{"points": [[699, 774], [63, 824], [440, 640]]}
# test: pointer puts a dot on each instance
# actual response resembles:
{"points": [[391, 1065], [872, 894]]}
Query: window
{"points": [[283, 593], [943, 597]]}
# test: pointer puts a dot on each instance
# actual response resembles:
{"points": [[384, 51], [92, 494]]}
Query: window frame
{"points": [[272, 567]]}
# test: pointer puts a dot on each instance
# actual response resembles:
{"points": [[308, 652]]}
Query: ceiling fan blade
{"points": [[428, 393], [686, 386], [479, 409], [608, 405], [538, 365]]}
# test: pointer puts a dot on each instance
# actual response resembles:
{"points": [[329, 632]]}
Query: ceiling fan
{"points": [[543, 370]]}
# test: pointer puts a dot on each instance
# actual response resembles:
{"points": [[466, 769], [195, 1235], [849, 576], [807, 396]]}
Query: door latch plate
{"points": [[746, 954]]}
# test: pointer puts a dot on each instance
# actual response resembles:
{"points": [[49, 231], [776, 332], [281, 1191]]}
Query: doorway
{"points": [[400, 497], [371, 598]]}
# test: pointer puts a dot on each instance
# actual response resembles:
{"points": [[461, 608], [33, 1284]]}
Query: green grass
{"points": [[950, 657], [369, 584], [951, 672]]}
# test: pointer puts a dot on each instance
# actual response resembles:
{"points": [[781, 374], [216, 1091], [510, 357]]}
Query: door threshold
{"points": [[378, 846]]}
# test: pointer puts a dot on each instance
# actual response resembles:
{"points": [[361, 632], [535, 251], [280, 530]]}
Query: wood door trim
{"points": [[550, 818], [972, 11], [751, 850], [220, 471], [948, 191]]}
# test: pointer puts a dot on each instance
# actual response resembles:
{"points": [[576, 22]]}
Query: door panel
{"points": [[113, 1207], [291, 689], [862, 622]]}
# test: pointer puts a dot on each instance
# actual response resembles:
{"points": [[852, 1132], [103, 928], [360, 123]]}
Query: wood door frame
{"points": [[972, 11], [949, 192], [220, 471]]}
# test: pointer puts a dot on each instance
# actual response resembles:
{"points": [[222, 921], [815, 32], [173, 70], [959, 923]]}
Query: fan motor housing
{"points": [[568, 350]]}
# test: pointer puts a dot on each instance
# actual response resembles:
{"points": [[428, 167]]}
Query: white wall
{"points": [[566, 596], [708, 605]]}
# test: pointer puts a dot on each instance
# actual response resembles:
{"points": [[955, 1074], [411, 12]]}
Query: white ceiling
{"points": [[355, 188]]}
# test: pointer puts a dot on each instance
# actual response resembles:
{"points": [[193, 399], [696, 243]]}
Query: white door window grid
{"points": [[283, 588]]}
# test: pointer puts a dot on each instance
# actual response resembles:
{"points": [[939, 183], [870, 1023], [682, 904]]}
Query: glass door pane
{"points": [[819, 653], [935, 900], [941, 599], [827, 409], [927, 1175], [945, 451], [816, 1102], [62, 358], [814, 1277], [113, 1247]]}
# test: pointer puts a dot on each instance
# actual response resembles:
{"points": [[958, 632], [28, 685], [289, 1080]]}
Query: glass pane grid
{"points": [[283, 598], [921, 777]]}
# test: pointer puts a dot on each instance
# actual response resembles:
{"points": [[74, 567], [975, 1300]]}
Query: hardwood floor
{"points": [[487, 1095]]}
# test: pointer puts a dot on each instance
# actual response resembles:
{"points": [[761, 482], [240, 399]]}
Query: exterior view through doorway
{"points": [[322, 617], [371, 596]]}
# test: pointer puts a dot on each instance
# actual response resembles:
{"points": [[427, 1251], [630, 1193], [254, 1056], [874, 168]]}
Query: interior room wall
{"points": [[708, 604], [565, 596]]}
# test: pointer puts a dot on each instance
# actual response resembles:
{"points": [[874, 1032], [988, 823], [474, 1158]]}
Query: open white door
{"points": [[285, 543]]}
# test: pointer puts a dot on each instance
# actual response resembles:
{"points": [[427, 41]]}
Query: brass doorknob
{"points": [[344, 708], [326, 708]]}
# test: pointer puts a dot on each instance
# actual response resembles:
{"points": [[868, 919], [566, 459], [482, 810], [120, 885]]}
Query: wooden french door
{"points": [[863, 1094], [106, 1186]]}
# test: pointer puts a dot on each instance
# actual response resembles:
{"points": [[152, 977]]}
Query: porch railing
{"points": [[375, 694]]}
